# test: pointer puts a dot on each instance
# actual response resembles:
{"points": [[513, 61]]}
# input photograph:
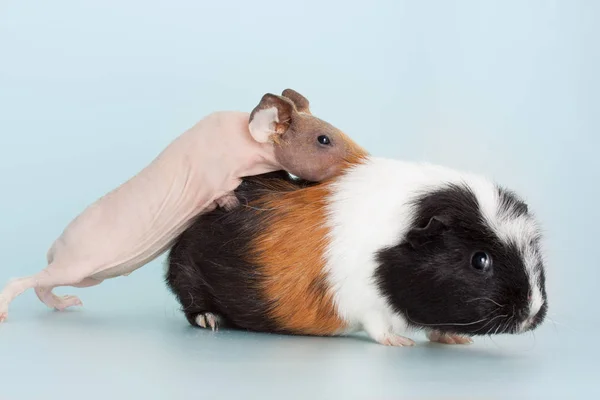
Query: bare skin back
{"points": [[139, 220]]}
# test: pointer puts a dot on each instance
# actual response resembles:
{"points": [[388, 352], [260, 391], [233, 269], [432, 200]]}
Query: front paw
{"points": [[228, 202], [445, 338], [380, 329], [391, 339]]}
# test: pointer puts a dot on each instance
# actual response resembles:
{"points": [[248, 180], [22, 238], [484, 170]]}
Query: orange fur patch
{"points": [[355, 153], [290, 254]]}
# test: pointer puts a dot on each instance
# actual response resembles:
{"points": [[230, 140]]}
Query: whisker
{"points": [[493, 341], [555, 323], [508, 323], [259, 208], [192, 302], [488, 299], [445, 323], [496, 331], [503, 326], [534, 341], [490, 321], [512, 318], [492, 327]]}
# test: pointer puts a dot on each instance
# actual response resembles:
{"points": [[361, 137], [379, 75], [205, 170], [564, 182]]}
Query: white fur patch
{"points": [[371, 195], [376, 194], [261, 127], [517, 230]]}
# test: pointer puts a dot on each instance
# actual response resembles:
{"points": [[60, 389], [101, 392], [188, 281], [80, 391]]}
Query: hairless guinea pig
{"points": [[138, 221], [384, 247]]}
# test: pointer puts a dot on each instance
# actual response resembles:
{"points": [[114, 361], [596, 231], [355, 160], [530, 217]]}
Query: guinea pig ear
{"points": [[272, 116], [419, 236], [301, 102]]}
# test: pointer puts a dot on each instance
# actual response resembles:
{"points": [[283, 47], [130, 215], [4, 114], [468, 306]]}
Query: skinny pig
{"points": [[139, 220]]}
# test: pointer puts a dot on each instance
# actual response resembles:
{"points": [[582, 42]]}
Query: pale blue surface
{"points": [[90, 92]]}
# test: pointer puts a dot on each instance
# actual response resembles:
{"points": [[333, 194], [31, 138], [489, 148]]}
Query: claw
{"points": [[208, 320]]}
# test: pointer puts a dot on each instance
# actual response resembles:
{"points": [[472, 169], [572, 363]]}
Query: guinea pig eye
{"points": [[481, 261], [324, 140]]}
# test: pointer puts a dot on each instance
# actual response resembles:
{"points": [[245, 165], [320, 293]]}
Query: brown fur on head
{"points": [[305, 145]]}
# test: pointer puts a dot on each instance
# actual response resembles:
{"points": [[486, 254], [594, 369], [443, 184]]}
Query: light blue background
{"points": [[90, 92]]}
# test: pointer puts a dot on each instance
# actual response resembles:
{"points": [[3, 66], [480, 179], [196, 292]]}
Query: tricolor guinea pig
{"points": [[386, 247]]}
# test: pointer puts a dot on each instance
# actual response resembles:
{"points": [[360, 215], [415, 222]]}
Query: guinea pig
{"points": [[386, 247]]}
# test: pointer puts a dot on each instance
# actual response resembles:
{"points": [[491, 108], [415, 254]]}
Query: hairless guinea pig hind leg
{"points": [[43, 283]]}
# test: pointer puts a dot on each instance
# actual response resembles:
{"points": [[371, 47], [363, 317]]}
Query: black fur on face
{"points": [[429, 277]]}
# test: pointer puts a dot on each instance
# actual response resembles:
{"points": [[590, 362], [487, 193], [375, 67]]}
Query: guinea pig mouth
{"points": [[525, 325], [532, 322], [496, 325], [499, 322]]}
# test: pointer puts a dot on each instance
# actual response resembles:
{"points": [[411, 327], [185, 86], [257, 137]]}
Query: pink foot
{"points": [[444, 338], [228, 202], [61, 303], [396, 340], [3, 310]]}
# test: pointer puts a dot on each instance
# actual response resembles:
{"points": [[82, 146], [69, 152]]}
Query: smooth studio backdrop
{"points": [[91, 92]]}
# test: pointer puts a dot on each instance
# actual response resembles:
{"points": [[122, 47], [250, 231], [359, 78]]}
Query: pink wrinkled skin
{"points": [[139, 220]]}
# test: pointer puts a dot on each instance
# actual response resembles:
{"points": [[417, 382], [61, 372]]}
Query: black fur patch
{"points": [[511, 204], [208, 267], [433, 285]]}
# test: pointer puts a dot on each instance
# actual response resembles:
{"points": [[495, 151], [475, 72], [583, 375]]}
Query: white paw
{"points": [[228, 202], [395, 340], [208, 320], [381, 330]]}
